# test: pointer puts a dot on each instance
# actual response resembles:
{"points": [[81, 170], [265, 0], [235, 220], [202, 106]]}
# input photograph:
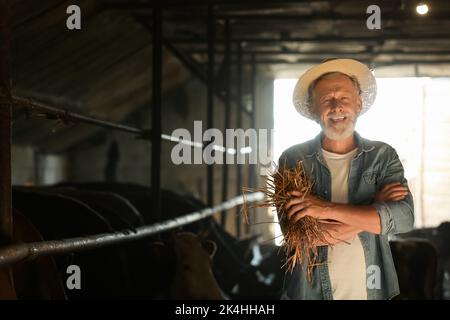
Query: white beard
{"points": [[333, 134]]}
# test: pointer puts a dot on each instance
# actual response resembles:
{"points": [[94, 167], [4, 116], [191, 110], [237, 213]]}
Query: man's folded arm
{"points": [[396, 216]]}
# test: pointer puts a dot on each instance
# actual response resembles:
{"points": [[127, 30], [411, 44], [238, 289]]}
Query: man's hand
{"points": [[338, 232], [391, 192], [297, 208]]}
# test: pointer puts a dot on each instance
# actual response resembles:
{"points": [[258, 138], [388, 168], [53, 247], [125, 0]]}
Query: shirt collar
{"points": [[361, 144]]}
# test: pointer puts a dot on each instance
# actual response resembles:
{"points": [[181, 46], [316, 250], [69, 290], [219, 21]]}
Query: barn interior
{"points": [[101, 93]]}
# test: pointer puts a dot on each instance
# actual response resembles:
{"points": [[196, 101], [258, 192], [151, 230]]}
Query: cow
{"points": [[7, 290], [126, 270], [36, 279], [416, 265], [185, 265], [440, 238], [57, 217], [232, 269]]}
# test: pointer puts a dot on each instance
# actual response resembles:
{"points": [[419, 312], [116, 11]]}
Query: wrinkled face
{"points": [[336, 105]]}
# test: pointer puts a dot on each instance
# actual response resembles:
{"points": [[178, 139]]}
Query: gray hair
{"points": [[313, 84]]}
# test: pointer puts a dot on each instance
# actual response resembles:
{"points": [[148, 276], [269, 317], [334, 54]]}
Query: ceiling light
{"points": [[422, 9]]}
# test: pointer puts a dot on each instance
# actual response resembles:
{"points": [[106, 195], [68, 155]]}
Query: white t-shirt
{"points": [[346, 262]]}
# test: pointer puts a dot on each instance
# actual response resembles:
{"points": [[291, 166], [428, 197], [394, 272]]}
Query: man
{"points": [[358, 183]]}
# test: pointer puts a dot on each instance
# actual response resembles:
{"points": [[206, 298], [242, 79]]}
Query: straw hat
{"points": [[347, 66]]}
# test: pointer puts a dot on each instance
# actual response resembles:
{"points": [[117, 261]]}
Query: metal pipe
{"points": [[252, 92], [69, 116], [6, 222], [299, 19], [6, 218], [210, 97], [15, 253], [239, 125], [366, 61], [156, 108], [227, 111], [251, 175], [327, 52], [374, 39], [181, 3], [144, 6]]}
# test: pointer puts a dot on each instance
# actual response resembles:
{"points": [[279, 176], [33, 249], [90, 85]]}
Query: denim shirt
{"points": [[374, 165]]}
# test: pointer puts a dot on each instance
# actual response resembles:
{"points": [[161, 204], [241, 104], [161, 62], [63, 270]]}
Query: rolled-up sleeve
{"points": [[396, 216]]}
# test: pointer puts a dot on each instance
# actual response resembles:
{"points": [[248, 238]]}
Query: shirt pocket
{"points": [[370, 177]]}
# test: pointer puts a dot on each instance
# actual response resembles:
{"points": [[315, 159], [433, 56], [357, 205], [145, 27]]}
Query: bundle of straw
{"points": [[301, 238]]}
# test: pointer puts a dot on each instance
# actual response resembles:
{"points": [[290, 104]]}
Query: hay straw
{"points": [[302, 238]]}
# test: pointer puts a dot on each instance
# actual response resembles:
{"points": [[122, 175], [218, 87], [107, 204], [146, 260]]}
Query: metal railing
{"points": [[27, 251], [53, 113]]}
